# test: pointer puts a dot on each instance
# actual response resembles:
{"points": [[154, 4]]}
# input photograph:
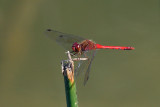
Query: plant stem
{"points": [[70, 89], [70, 85]]}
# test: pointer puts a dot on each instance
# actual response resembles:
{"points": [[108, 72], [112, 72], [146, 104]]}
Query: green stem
{"points": [[71, 95], [70, 85]]}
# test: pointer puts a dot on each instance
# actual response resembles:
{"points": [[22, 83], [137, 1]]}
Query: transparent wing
{"points": [[91, 57], [63, 39], [80, 66], [84, 66]]}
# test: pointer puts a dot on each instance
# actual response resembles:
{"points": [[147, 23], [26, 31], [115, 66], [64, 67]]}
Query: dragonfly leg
{"points": [[72, 53], [79, 59], [86, 56]]}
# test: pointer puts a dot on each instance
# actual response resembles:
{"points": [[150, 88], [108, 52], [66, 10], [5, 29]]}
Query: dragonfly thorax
{"points": [[76, 47]]}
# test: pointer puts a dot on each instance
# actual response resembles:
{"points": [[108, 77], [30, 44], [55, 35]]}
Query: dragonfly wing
{"points": [[84, 66], [92, 53], [63, 39], [80, 66]]}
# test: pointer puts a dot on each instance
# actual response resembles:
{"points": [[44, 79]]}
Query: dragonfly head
{"points": [[76, 47]]}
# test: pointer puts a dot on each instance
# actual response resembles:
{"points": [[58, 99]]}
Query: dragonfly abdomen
{"points": [[98, 46]]}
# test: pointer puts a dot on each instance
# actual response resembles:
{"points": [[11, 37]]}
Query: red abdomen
{"points": [[98, 46]]}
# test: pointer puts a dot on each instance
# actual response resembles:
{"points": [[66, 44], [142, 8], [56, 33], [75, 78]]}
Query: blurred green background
{"points": [[30, 73]]}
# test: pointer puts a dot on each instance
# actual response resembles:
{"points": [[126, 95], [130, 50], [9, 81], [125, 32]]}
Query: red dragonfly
{"points": [[80, 47]]}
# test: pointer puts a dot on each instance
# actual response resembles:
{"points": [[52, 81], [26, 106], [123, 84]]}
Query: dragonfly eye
{"points": [[78, 48], [73, 48]]}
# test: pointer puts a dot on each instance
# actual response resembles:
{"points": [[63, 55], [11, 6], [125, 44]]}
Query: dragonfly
{"points": [[80, 47]]}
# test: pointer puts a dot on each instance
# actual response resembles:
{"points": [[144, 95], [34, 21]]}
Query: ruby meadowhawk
{"points": [[80, 47]]}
